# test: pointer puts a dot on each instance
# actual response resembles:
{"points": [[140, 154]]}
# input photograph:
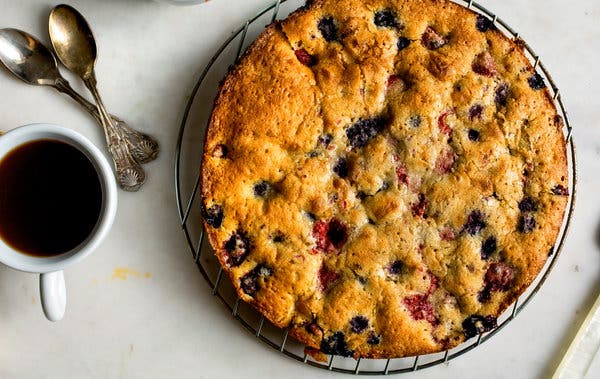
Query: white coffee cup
{"points": [[52, 284]]}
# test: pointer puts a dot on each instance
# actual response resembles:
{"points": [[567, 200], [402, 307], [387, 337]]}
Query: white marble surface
{"points": [[158, 319]]}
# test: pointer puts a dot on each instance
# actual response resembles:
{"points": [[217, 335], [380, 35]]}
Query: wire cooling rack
{"points": [[187, 180]]}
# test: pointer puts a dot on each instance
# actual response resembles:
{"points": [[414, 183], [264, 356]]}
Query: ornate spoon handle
{"points": [[143, 147], [130, 175]]}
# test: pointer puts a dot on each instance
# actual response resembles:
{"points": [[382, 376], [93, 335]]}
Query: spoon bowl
{"points": [[73, 40], [27, 58]]}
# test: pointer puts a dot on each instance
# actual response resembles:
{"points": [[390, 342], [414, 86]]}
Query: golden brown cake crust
{"points": [[383, 177]]}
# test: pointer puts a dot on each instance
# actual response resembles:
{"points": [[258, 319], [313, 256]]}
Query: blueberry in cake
{"points": [[383, 177]]}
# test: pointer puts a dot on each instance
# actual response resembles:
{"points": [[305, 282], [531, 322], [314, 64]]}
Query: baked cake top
{"points": [[383, 177]]}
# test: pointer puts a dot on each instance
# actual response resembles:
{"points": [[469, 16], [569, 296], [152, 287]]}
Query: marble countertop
{"points": [[139, 308]]}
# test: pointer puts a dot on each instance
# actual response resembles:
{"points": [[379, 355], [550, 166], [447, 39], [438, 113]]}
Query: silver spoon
{"points": [[75, 46], [31, 61]]}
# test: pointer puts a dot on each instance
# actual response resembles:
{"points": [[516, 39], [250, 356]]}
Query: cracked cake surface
{"points": [[383, 177]]}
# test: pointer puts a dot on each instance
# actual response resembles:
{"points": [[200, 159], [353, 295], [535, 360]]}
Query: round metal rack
{"points": [[187, 180]]}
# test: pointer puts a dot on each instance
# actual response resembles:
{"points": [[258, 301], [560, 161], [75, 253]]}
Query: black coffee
{"points": [[50, 198]]}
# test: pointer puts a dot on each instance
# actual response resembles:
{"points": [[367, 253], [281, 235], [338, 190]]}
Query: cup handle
{"points": [[53, 294]]}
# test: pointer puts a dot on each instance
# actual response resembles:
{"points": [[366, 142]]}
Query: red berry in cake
{"points": [[328, 29], [499, 277], [330, 235], [433, 283], [432, 40], [447, 233], [443, 124], [445, 161], [327, 278], [319, 232], [305, 58], [418, 209], [402, 174], [485, 65], [421, 308], [395, 80]]}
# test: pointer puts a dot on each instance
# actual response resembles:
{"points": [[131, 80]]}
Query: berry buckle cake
{"points": [[383, 177]]}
